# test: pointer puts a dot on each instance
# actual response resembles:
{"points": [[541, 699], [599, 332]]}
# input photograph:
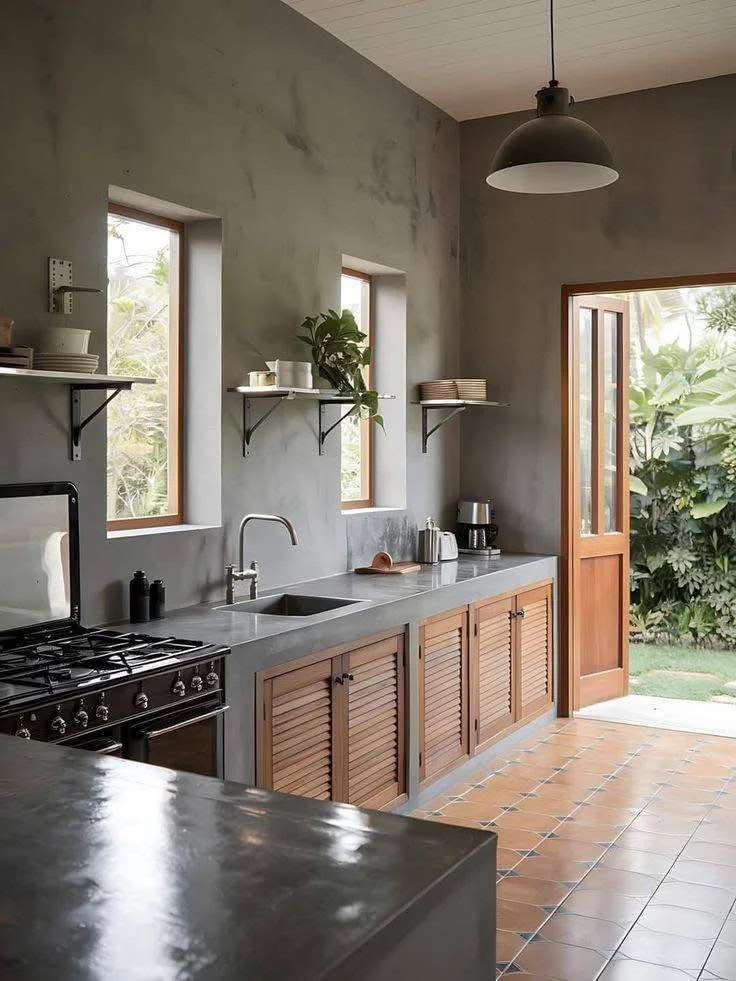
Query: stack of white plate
{"points": [[438, 390], [86, 363], [472, 389]]}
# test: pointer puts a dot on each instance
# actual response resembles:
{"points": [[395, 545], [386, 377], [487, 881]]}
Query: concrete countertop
{"points": [[383, 602], [112, 869]]}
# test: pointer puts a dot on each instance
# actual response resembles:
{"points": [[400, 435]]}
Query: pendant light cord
{"points": [[553, 80]]}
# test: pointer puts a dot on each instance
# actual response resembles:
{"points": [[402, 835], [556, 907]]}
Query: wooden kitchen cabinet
{"points": [[334, 727], [510, 661], [443, 693]]}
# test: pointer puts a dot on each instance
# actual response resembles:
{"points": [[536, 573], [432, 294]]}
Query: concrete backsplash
{"points": [[673, 212], [245, 110]]}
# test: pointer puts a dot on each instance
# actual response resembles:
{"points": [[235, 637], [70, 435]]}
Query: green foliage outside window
{"points": [[683, 469], [138, 345]]}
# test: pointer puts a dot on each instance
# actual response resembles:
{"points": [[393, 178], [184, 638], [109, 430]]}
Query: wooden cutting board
{"points": [[384, 565]]}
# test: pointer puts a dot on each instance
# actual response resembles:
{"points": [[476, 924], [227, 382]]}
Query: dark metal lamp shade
{"points": [[556, 153]]}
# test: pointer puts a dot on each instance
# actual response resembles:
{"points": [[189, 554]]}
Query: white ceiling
{"points": [[482, 57]]}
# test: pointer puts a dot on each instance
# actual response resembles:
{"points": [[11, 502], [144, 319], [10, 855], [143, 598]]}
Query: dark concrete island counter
{"points": [[406, 606], [112, 869]]}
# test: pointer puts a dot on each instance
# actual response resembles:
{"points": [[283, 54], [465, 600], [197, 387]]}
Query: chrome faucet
{"points": [[233, 575]]}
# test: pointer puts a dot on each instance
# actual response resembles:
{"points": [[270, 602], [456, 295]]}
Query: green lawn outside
{"points": [[681, 672]]}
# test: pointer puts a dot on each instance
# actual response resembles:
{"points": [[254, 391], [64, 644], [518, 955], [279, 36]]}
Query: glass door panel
{"points": [[585, 329]]}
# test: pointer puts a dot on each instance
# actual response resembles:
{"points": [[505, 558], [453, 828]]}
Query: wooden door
{"points": [[376, 760], [444, 693], [492, 670], [301, 747], [534, 642], [598, 592]]}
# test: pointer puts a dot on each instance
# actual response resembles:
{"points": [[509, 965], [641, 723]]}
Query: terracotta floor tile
{"points": [[625, 969], [704, 873], [556, 869], [631, 860], [709, 899], [623, 910], [707, 851], [477, 810], [722, 962], [578, 851], [527, 821], [690, 923], [462, 822], [666, 949], [560, 961], [632, 884], [517, 839], [508, 945], [519, 917], [646, 841], [583, 931], [598, 814], [597, 833], [534, 892], [658, 824], [506, 858]]}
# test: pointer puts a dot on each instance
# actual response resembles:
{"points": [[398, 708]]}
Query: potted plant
{"points": [[341, 357]]}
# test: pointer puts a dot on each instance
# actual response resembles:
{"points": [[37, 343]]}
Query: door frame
{"points": [[568, 485]]}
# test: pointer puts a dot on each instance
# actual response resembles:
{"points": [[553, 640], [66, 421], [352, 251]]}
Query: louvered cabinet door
{"points": [[376, 763], [300, 750], [444, 693], [534, 625], [492, 669]]}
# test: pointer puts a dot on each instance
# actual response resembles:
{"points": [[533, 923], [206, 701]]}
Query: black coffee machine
{"points": [[476, 531]]}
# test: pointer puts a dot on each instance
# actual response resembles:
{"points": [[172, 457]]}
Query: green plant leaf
{"points": [[706, 509], [637, 485]]}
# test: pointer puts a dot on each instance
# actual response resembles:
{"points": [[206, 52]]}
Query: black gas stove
{"points": [[156, 699]]}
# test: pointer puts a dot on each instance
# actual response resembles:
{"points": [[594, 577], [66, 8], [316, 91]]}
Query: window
{"points": [[145, 268], [356, 474]]}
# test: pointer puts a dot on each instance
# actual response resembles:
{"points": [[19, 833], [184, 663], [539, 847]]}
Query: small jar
{"points": [[157, 605], [139, 598]]}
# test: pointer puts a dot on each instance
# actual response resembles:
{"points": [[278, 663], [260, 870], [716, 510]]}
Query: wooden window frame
{"points": [[175, 515], [366, 426]]}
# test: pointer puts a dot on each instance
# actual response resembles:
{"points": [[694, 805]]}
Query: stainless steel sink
{"points": [[290, 605]]}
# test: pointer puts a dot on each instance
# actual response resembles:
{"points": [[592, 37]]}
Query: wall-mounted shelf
{"points": [[456, 406], [323, 396], [79, 382]]}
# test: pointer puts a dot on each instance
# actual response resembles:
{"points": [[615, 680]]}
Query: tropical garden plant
{"points": [[683, 480]]}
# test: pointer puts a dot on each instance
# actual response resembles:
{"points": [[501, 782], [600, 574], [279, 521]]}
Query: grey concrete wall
{"points": [[245, 110], [673, 212]]}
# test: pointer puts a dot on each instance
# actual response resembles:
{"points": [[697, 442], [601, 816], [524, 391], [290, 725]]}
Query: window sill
{"points": [[349, 512], [158, 530]]}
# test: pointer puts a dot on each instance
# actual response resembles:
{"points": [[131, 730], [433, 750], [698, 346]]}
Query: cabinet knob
{"points": [[347, 677], [339, 680]]}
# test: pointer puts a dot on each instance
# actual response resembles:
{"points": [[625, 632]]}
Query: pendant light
{"points": [[556, 153]]}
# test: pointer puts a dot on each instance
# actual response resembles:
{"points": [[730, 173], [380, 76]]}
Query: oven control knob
{"points": [[102, 712], [22, 732], [178, 688], [81, 717], [58, 723], [197, 682], [141, 700], [212, 679]]}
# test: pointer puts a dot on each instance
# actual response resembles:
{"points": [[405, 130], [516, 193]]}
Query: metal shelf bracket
{"points": [[324, 433], [249, 428], [426, 432], [77, 424]]}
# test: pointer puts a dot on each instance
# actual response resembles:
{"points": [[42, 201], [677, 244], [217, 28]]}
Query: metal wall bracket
{"points": [[61, 286], [426, 432], [250, 428], [324, 433], [76, 422]]}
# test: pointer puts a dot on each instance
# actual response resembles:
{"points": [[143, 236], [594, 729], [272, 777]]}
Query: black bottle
{"points": [[157, 605], [139, 590]]}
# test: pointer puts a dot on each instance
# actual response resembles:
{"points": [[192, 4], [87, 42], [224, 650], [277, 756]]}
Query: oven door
{"points": [[105, 742], [189, 738]]}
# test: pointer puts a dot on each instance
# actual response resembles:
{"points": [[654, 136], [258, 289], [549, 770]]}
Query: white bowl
{"points": [[64, 340]]}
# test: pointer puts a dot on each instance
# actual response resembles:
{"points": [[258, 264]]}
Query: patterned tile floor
{"points": [[616, 853]]}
